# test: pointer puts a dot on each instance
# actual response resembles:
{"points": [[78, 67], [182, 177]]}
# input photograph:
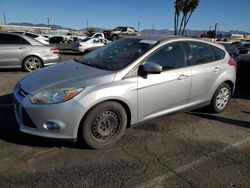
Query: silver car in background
{"points": [[21, 51], [126, 82]]}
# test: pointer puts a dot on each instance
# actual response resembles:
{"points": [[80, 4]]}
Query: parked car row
{"points": [[237, 50], [103, 38]]}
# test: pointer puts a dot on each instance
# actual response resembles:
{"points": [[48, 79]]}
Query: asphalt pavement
{"points": [[186, 149]]}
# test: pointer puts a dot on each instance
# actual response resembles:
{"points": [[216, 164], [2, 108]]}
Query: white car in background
{"points": [[39, 38], [88, 43]]}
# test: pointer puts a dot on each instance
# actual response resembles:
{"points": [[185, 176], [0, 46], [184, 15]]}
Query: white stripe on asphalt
{"points": [[158, 181]]}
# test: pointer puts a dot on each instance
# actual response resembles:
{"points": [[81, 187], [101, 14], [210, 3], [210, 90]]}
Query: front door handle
{"points": [[216, 69], [21, 48], [182, 77]]}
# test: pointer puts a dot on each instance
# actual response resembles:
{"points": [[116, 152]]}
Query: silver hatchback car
{"points": [[126, 82], [21, 51]]}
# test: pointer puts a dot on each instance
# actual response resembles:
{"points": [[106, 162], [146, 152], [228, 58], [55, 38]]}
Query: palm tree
{"points": [[193, 4], [186, 8], [178, 7]]}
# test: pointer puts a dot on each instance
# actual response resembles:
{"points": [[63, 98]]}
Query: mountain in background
{"points": [[53, 26], [145, 31]]}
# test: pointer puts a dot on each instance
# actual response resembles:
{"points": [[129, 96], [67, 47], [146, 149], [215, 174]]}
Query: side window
{"points": [[201, 53], [219, 54], [171, 56], [124, 29], [11, 39], [23, 41]]}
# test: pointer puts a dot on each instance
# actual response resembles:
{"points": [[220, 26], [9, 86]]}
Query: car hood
{"points": [[64, 75]]}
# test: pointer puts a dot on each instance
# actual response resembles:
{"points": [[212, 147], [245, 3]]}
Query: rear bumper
{"points": [[51, 60]]}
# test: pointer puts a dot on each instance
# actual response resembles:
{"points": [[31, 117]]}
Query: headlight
{"points": [[55, 96]]}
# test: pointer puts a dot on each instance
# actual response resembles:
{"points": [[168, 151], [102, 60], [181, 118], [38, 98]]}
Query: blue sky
{"points": [[229, 14]]}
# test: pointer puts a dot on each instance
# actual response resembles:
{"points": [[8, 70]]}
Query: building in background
{"points": [[32, 29]]}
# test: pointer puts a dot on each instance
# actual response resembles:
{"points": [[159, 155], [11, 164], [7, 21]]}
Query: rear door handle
{"points": [[182, 77], [216, 69], [20, 48]]}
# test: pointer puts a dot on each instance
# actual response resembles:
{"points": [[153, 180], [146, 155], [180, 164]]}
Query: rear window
{"points": [[12, 39]]}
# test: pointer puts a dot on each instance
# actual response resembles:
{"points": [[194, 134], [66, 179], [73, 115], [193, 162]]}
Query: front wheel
{"points": [[104, 125], [221, 98]]}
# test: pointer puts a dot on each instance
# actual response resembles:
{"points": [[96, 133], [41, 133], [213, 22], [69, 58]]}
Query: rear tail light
{"points": [[233, 63], [54, 50]]}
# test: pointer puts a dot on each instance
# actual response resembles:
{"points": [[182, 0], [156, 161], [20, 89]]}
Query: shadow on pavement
{"points": [[242, 89], [246, 112], [235, 122], [9, 129], [69, 52]]}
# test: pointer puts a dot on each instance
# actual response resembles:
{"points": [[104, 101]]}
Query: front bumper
{"points": [[31, 117]]}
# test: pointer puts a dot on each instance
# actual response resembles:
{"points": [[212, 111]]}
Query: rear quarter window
{"points": [[201, 53], [219, 53]]}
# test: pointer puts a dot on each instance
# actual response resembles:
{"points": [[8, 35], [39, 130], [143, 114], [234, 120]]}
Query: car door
{"points": [[11, 49], [206, 69], [168, 91]]}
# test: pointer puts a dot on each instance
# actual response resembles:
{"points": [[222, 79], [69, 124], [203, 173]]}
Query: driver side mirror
{"points": [[151, 68]]}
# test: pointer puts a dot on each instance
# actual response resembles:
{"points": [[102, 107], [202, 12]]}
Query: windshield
{"points": [[118, 54], [117, 29]]}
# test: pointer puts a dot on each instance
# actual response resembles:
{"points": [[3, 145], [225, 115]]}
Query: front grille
{"points": [[26, 119]]}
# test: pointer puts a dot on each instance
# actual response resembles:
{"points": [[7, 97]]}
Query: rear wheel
{"points": [[221, 98], [32, 63], [104, 125]]}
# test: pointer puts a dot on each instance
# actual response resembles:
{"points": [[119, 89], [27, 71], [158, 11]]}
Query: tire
{"points": [[114, 37], [104, 125], [221, 98], [32, 63]]}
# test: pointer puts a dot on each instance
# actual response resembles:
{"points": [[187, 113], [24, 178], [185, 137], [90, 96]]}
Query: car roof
{"points": [[165, 38], [159, 38]]}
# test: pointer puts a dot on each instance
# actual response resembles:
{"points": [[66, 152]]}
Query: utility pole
{"points": [[48, 22], [4, 18], [87, 24], [153, 29], [215, 29], [138, 28]]}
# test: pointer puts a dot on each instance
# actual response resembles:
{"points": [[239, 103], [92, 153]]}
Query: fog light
{"points": [[51, 126]]}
